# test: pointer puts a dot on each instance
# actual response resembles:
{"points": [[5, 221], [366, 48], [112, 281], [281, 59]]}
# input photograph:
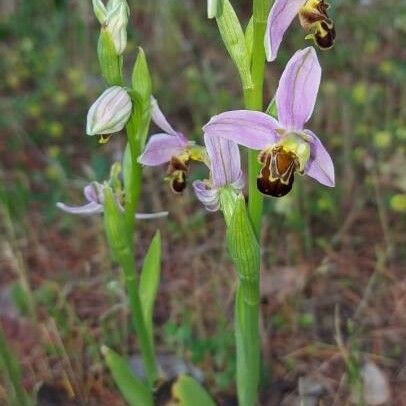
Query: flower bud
{"points": [[110, 112], [116, 25], [99, 11], [212, 8]]}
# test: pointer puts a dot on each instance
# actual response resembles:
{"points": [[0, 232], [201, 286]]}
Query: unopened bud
{"points": [[116, 25], [212, 8], [110, 112], [99, 11]]}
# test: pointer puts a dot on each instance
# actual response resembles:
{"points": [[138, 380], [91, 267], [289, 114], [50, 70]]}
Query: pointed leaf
{"points": [[141, 78], [189, 392], [249, 37], [234, 40], [149, 280], [132, 389]]}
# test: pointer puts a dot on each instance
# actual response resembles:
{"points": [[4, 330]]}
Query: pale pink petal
{"points": [[87, 209], [209, 197], [160, 120], [320, 165], [251, 129], [280, 17], [297, 90], [161, 148], [94, 192], [225, 160], [151, 216]]}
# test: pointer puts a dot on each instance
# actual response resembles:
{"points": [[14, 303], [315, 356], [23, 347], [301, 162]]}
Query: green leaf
{"points": [[189, 392], [271, 109], [234, 40], [114, 224], [110, 62], [244, 250], [249, 37], [141, 79], [149, 280], [137, 128], [132, 389]]}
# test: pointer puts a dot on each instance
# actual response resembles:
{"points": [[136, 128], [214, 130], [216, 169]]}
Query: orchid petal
{"points": [[320, 165], [149, 216], [94, 192], [207, 196], [297, 90], [251, 129], [161, 148], [225, 161], [87, 209], [280, 17], [160, 120]]}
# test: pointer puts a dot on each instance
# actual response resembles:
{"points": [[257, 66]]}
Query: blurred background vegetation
{"points": [[333, 287]]}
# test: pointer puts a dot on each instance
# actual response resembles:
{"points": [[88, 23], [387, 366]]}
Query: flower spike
{"points": [[312, 16], [286, 147]]}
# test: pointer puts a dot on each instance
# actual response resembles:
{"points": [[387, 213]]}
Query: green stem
{"points": [[135, 180], [145, 342], [253, 99], [137, 128], [247, 315], [248, 349]]}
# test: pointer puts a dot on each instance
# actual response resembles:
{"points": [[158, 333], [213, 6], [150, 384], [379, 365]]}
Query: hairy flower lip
{"points": [[295, 99]]}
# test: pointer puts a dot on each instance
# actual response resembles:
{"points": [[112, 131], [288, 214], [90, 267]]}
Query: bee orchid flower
{"points": [[312, 16], [225, 172], [170, 147], [286, 146], [94, 194]]}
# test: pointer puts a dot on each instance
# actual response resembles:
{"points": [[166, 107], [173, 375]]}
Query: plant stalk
{"points": [[136, 132], [253, 99], [247, 315], [145, 341]]}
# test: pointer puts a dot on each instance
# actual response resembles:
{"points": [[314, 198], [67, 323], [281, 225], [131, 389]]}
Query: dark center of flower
{"points": [[313, 17], [277, 172], [176, 174]]}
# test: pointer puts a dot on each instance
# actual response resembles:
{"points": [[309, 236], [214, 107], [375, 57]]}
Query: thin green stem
{"points": [[248, 349], [247, 315], [137, 129], [145, 342], [253, 99]]}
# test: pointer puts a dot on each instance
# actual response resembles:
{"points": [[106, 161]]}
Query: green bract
{"points": [[244, 250], [234, 40]]}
